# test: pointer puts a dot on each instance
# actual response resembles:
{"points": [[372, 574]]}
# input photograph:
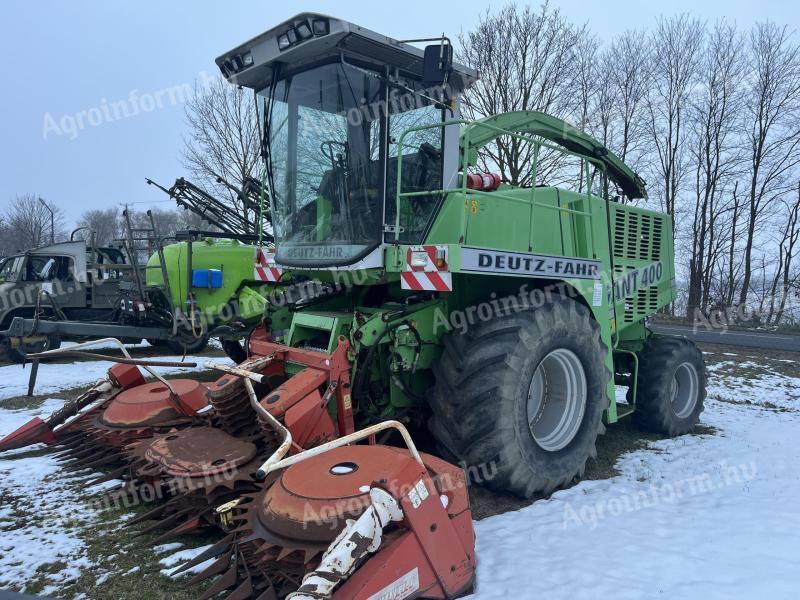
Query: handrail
{"points": [[277, 460], [271, 466], [123, 349], [465, 147]]}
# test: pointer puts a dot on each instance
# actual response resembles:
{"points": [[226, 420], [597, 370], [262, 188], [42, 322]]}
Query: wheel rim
{"points": [[685, 387], [557, 400]]}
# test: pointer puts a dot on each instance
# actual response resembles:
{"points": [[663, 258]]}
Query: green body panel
{"points": [[626, 252], [319, 330], [234, 259]]}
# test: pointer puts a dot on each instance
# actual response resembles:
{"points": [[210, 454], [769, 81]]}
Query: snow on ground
{"points": [[32, 484], [175, 561], [41, 513], [702, 516], [711, 516], [53, 377], [761, 385], [42, 509]]}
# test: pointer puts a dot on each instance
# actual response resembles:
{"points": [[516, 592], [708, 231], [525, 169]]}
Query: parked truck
{"points": [[207, 284], [69, 281]]}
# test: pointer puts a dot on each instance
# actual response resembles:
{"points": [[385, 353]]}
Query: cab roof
{"points": [[310, 38]]}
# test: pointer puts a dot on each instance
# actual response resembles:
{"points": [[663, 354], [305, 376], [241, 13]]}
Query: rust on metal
{"points": [[43, 431], [199, 451], [153, 405]]}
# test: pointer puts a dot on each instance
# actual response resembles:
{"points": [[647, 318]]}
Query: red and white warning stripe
{"points": [[433, 282], [427, 269], [265, 269]]}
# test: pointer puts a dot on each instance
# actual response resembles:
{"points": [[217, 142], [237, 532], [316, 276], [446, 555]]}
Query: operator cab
{"points": [[333, 100]]}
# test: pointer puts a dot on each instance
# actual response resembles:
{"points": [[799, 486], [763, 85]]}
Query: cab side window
{"points": [[10, 269], [49, 268]]}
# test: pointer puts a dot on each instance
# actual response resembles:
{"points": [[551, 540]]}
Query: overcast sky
{"points": [[63, 59]]}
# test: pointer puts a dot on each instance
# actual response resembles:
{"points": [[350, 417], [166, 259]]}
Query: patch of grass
{"points": [[621, 438], [114, 563], [124, 564], [25, 402], [742, 365], [764, 405], [703, 429]]}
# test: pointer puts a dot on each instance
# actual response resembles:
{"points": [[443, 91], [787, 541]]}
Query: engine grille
{"points": [[637, 241]]}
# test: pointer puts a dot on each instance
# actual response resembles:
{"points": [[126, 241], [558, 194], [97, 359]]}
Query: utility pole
{"points": [[52, 221]]}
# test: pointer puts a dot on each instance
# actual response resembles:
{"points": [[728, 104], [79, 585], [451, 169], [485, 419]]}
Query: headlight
{"points": [[321, 26], [304, 31], [419, 258]]}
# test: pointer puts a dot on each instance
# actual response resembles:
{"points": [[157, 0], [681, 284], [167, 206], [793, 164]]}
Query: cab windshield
{"points": [[326, 165], [332, 160]]}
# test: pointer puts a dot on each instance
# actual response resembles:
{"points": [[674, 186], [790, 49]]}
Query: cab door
{"points": [[55, 274]]}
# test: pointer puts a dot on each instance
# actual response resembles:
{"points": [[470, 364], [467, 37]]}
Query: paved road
{"points": [[751, 339]]}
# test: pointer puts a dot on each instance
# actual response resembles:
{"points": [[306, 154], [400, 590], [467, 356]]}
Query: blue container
{"points": [[207, 278]]}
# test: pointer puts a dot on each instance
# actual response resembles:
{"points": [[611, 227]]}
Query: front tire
{"points": [[671, 386], [522, 397]]}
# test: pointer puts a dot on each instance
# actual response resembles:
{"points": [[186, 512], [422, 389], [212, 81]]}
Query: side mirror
{"points": [[437, 63]]}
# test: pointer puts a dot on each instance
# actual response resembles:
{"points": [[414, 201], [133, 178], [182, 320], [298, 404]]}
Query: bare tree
{"points": [[586, 77], [527, 61], [629, 58], [586, 85], [103, 223], [676, 46], [605, 100], [5, 237], [734, 269], [773, 130], [167, 222], [621, 72], [785, 279], [714, 112], [29, 223], [223, 139]]}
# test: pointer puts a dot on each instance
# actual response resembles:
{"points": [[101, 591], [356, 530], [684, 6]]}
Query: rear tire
{"points": [[492, 406], [671, 386], [19, 353], [181, 346]]}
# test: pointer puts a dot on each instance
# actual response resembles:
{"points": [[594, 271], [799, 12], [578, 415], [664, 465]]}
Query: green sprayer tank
{"points": [[222, 279]]}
